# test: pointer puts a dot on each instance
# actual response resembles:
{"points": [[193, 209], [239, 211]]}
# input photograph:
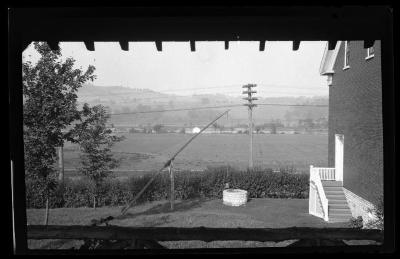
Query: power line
{"points": [[299, 105], [220, 106], [182, 109], [180, 96], [169, 90], [194, 89], [194, 95]]}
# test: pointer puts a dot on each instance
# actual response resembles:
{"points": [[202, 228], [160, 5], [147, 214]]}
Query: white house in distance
{"points": [[196, 130]]}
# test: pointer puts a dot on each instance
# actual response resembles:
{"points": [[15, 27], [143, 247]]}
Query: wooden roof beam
{"points": [[368, 44], [89, 45], [124, 45], [296, 45], [159, 45], [54, 45], [262, 45], [192, 45], [331, 44]]}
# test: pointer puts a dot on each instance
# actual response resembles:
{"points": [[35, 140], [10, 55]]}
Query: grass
{"points": [[257, 213], [150, 151]]}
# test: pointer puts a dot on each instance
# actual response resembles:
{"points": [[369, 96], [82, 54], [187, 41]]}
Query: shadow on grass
{"points": [[59, 243], [166, 208]]}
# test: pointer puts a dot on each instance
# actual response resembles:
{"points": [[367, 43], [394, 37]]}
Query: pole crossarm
{"points": [[249, 92], [249, 86], [250, 104], [250, 98], [199, 233]]}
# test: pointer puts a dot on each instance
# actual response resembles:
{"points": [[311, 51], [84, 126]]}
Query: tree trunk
{"points": [[61, 164], [46, 219]]}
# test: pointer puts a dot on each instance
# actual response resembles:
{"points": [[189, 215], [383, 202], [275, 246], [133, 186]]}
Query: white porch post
{"points": [[311, 195], [339, 144]]}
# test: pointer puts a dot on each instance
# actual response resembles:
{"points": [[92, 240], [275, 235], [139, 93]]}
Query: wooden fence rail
{"points": [[200, 233]]}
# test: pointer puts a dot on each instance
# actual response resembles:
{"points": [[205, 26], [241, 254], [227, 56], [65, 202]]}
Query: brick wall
{"points": [[359, 207], [355, 110]]}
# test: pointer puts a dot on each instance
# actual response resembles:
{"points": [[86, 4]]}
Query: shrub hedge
{"points": [[260, 183]]}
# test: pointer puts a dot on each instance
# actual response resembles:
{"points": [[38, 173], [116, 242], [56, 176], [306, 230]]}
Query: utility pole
{"points": [[250, 105], [172, 193]]}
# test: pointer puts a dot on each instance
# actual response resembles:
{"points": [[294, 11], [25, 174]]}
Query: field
{"points": [[148, 152]]}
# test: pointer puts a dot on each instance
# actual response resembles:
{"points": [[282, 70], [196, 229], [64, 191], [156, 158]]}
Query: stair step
{"points": [[333, 188], [338, 206], [332, 183], [339, 209], [334, 192], [335, 196], [339, 202]]}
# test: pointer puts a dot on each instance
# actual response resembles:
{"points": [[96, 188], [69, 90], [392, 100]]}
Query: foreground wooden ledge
{"points": [[199, 233]]}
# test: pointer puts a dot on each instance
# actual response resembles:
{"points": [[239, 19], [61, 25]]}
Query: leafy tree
{"points": [[158, 128], [273, 128], [259, 128], [49, 106], [95, 140], [217, 126]]}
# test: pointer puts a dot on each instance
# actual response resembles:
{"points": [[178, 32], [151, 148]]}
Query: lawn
{"points": [[257, 213], [150, 151]]}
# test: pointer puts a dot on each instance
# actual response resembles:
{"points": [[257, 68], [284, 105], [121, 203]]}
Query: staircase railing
{"points": [[326, 173], [316, 186]]}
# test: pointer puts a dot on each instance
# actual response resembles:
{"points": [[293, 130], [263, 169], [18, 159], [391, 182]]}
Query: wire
{"points": [[202, 88], [170, 90], [183, 109], [221, 106], [299, 105]]}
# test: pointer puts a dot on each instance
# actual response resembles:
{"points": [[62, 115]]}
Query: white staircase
{"points": [[338, 209], [327, 199]]}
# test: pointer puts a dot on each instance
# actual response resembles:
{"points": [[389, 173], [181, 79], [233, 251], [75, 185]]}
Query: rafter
{"points": [[89, 45], [124, 45], [159, 45], [296, 45], [331, 44], [262, 45], [192, 45]]}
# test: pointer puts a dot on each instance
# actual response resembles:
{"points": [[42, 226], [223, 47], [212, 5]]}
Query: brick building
{"points": [[355, 142]]}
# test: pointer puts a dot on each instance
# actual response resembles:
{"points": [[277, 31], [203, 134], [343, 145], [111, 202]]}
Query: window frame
{"points": [[346, 60], [369, 55]]}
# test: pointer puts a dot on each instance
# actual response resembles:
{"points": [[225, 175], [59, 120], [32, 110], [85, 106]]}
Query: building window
{"points": [[370, 53], [346, 55]]}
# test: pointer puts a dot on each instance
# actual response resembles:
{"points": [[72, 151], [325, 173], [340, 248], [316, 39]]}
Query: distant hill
{"points": [[127, 100]]}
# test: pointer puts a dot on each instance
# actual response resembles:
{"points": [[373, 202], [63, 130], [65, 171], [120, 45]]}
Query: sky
{"points": [[277, 71]]}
